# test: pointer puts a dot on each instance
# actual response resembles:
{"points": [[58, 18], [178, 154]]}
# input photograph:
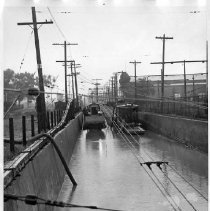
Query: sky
{"points": [[109, 33]]}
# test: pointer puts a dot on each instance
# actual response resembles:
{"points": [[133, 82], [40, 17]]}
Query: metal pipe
{"points": [[59, 154]]}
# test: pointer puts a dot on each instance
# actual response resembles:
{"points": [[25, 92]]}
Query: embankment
{"points": [[188, 131], [43, 175]]}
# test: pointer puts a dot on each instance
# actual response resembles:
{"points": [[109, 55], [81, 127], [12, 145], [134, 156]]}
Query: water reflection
{"points": [[109, 175], [95, 135]]}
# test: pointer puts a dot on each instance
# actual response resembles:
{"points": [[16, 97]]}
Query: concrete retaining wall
{"points": [[191, 132], [44, 175]]}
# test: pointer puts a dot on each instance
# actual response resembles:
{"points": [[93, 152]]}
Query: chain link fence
{"points": [[184, 96]]}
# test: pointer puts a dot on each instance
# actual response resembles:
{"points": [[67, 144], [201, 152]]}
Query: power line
{"points": [[157, 177], [35, 200], [63, 35], [125, 138], [27, 45], [88, 80], [167, 176], [41, 107], [65, 44], [163, 38], [135, 62]]}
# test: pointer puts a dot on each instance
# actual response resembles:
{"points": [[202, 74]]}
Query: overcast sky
{"points": [[109, 33]]}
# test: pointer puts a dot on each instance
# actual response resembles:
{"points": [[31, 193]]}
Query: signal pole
{"points": [[65, 65], [163, 62], [41, 107], [135, 62]]}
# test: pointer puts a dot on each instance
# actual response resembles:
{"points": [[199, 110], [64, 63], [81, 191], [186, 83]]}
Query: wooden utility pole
{"points": [[116, 88], [96, 84], [72, 77], [163, 63], [207, 61], [112, 88], [184, 62], [71, 65], [75, 79], [68, 75], [193, 88], [72, 80], [41, 107], [135, 62], [185, 82], [108, 97], [65, 65]]}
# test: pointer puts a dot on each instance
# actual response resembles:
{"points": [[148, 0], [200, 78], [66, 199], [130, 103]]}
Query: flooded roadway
{"points": [[109, 175]]}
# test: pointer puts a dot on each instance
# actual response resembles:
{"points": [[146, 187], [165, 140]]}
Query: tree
{"points": [[49, 81], [8, 78], [124, 78], [144, 87], [8, 83], [124, 83], [23, 81]]}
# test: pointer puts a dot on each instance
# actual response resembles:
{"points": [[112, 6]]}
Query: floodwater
{"points": [[109, 175]]}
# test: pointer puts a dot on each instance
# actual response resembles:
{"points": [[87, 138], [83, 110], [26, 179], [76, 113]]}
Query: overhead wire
{"points": [[166, 175], [60, 30], [199, 105], [125, 138], [86, 79], [58, 27], [25, 51], [35, 200], [170, 167]]}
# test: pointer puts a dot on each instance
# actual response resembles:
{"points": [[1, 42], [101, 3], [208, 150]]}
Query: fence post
{"points": [[57, 114], [48, 120], [32, 126], [11, 134], [61, 114], [38, 123], [55, 123], [24, 130], [51, 115]]}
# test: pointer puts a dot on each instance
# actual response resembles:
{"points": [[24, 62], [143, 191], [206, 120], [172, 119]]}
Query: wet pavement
{"points": [[107, 169]]}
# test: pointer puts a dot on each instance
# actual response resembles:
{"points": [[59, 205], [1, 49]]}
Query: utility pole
{"points": [[193, 88], [72, 80], [184, 62], [116, 88], [75, 79], [41, 107], [163, 63], [207, 61], [71, 65], [112, 88], [108, 99], [96, 84], [185, 82], [69, 75], [135, 62], [65, 65]]}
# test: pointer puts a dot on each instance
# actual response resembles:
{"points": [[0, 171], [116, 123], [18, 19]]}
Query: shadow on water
{"points": [[95, 135]]}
